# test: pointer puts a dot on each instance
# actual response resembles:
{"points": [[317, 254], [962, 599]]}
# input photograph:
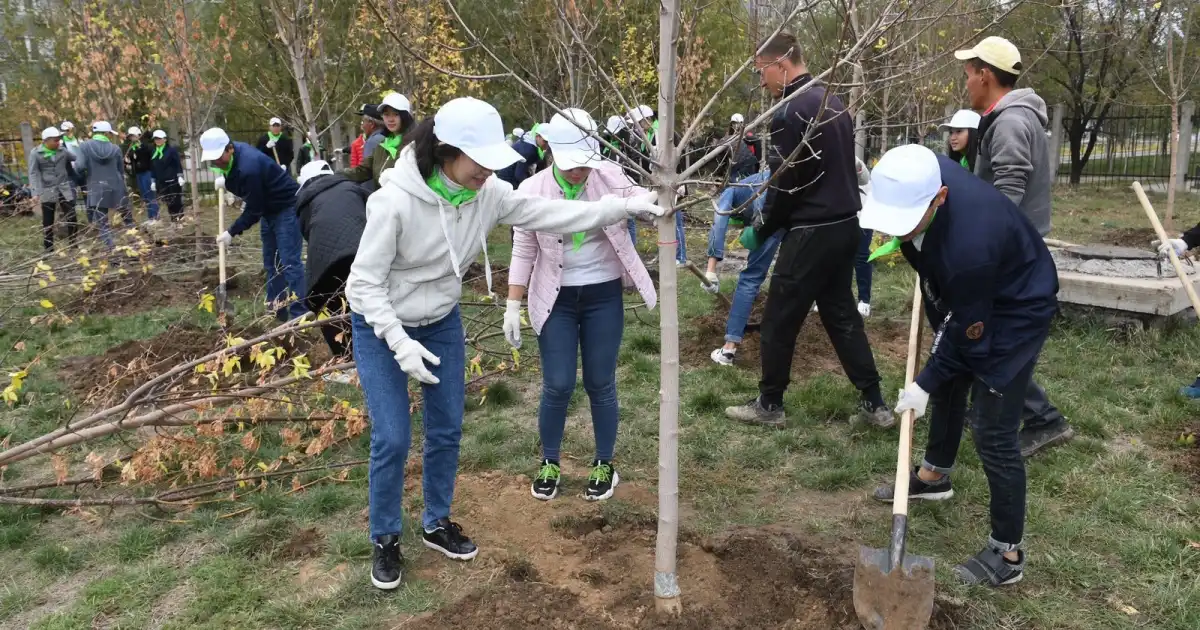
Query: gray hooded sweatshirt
{"points": [[102, 165], [50, 175], [1014, 154]]}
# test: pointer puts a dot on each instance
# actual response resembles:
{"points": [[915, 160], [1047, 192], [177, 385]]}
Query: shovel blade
{"points": [[893, 598]]}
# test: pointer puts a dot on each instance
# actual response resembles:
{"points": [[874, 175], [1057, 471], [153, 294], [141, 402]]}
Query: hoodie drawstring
{"points": [[454, 260]]}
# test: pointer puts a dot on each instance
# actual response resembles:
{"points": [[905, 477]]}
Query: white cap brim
{"points": [[567, 158], [889, 219], [494, 157], [209, 155]]}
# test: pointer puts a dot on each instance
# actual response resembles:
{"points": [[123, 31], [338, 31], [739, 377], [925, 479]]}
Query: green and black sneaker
{"points": [[545, 484], [602, 481]]}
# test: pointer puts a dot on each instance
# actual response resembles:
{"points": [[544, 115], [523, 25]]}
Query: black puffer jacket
{"points": [[333, 214]]}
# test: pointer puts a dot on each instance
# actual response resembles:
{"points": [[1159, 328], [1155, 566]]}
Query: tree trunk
{"points": [[1170, 222], [666, 585]]}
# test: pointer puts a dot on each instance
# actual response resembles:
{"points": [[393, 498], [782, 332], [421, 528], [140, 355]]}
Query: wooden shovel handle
{"points": [[220, 230], [1162, 237], [904, 449]]}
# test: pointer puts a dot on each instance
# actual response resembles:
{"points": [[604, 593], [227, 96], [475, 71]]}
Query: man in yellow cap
{"points": [[1014, 156]]}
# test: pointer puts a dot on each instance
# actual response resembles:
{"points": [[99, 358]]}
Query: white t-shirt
{"points": [[594, 263]]}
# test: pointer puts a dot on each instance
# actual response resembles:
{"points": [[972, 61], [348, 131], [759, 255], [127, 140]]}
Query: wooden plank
{"points": [[1152, 296]]}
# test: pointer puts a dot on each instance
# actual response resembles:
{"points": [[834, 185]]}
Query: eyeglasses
{"points": [[758, 71]]}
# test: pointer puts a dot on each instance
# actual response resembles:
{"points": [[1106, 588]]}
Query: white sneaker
{"points": [[721, 356], [681, 263], [864, 309], [345, 377], [152, 222]]}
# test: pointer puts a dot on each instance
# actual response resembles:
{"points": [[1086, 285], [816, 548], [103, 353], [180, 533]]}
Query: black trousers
{"points": [[329, 293], [815, 264], [62, 211], [171, 194], [995, 418]]}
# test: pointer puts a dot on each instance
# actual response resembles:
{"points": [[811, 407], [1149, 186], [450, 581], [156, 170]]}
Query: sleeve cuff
{"points": [[394, 334]]}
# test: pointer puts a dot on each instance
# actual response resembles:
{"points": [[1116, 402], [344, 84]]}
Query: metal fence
{"points": [[1133, 142]]}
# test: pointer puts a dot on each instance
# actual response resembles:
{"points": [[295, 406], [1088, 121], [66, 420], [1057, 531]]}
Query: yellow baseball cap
{"points": [[995, 51]]}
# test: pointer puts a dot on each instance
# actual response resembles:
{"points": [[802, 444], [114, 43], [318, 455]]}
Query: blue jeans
{"points": [[720, 227], [749, 281], [143, 181], [680, 250], [633, 231], [99, 217], [385, 386], [281, 246], [587, 320], [862, 268]]}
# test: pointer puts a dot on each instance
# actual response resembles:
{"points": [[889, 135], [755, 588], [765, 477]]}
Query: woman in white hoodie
{"points": [[425, 225]]}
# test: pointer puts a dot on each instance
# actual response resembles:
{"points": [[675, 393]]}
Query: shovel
{"points": [[1162, 237], [893, 591], [224, 308]]}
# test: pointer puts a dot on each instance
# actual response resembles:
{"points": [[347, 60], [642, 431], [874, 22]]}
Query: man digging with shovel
{"points": [[990, 291]]}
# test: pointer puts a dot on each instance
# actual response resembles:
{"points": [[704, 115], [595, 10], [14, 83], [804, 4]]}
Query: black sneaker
{"points": [[602, 481], [1036, 439], [754, 412], [875, 415], [387, 563], [991, 568], [939, 490], [545, 484], [450, 541]]}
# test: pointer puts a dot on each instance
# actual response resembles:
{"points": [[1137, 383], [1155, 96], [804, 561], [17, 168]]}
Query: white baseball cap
{"points": [[313, 169], [518, 132], [213, 143], [159, 133], [396, 101], [615, 124], [134, 131], [51, 132], [639, 113], [475, 128], [276, 121], [962, 119], [737, 118], [101, 126], [572, 144], [904, 182], [995, 51], [66, 125]]}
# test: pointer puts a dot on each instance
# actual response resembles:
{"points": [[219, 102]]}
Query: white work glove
{"points": [[182, 182], [283, 168], [225, 238], [270, 144], [219, 182], [153, 188], [645, 207], [714, 283], [1179, 245], [512, 323], [913, 397], [411, 356]]}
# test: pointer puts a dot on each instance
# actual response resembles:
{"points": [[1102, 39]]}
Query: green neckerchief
{"points": [[47, 151], [275, 136], [223, 171], [69, 139], [135, 146], [571, 192], [101, 137], [894, 244], [391, 144], [456, 198], [158, 151], [651, 134], [963, 161], [540, 150]]}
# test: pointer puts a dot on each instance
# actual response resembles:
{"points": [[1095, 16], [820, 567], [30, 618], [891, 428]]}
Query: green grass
{"points": [[1107, 526]]}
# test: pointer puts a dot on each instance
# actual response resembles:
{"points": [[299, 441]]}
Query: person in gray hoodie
{"points": [[100, 163], [53, 183], [1014, 156]]}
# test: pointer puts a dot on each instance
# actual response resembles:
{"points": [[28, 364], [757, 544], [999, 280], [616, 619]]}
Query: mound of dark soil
{"points": [[476, 279], [1131, 237], [125, 366], [133, 293]]}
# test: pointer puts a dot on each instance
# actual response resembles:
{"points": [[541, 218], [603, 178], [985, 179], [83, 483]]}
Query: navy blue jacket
{"points": [[167, 168], [518, 172], [265, 188], [989, 283]]}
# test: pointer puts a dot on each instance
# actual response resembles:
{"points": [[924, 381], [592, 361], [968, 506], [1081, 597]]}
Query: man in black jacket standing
{"points": [[814, 197], [277, 145]]}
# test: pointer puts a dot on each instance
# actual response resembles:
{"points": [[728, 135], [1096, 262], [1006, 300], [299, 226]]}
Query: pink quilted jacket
{"points": [[537, 256]]}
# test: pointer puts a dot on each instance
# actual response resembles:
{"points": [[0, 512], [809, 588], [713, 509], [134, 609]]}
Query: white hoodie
{"points": [[416, 246]]}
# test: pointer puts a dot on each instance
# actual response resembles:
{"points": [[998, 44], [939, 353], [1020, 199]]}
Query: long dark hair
{"points": [[970, 152], [406, 123], [428, 150]]}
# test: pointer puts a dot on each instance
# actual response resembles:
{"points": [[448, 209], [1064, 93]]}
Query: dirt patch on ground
{"points": [[134, 293], [814, 352], [1189, 463], [569, 564], [476, 279], [1131, 237]]}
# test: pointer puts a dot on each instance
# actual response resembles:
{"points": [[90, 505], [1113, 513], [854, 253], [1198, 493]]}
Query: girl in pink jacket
{"points": [[575, 284]]}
